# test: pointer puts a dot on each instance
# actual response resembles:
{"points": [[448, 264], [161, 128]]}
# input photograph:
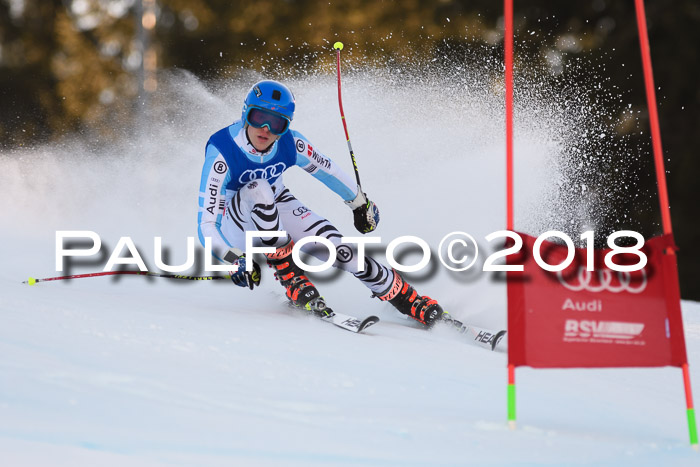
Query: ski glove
{"points": [[365, 213], [243, 278]]}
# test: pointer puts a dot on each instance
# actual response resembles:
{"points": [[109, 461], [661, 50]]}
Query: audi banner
{"points": [[589, 315]]}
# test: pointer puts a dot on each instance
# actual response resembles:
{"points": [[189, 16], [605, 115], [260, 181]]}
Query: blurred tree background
{"points": [[76, 65]]}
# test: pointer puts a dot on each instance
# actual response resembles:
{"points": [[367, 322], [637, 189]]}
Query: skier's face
{"points": [[261, 137]]}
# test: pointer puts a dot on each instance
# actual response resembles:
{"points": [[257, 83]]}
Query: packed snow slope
{"points": [[141, 371]]}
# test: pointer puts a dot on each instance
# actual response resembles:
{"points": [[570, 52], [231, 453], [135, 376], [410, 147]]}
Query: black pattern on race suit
{"points": [[380, 277], [259, 209], [324, 229], [264, 217]]}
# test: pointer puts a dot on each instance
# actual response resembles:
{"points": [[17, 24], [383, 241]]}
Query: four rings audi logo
{"points": [[584, 281], [267, 173]]}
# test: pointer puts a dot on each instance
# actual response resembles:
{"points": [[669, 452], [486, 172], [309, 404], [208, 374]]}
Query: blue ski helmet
{"points": [[272, 96]]}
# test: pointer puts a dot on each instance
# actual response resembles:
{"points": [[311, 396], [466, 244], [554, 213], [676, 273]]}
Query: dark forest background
{"points": [[73, 66]]}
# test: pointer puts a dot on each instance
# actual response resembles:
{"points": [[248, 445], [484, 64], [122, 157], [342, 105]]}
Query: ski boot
{"points": [[301, 292], [404, 298]]}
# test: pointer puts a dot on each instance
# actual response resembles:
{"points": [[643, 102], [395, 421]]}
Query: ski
{"points": [[486, 338], [349, 323]]}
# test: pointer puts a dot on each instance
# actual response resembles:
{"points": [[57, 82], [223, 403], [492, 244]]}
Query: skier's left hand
{"points": [[243, 278], [365, 213]]}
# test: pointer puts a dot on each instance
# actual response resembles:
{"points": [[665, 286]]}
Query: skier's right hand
{"points": [[243, 278]]}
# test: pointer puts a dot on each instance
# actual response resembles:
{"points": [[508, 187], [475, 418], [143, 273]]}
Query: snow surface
{"points": [[141, 371]]}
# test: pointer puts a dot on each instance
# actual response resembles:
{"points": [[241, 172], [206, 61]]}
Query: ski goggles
{"points": [[258, 118]]}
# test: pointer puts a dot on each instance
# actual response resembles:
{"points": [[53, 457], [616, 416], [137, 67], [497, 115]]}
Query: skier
{"points": [[242, 190]]}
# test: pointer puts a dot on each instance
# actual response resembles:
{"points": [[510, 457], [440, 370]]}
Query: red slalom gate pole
{"points": [[653, 116], [508, 52], [511, 396], [661, 181], [690, 409], [338, 46], [33, 281], [508, 46]]}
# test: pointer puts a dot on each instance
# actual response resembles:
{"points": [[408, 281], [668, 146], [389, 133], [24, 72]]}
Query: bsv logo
{"points": [[267, 173], [605, 281], [585, 328]]}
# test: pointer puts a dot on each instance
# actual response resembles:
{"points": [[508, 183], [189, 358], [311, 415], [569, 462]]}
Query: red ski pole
{"points": [[338, 46], [33, 281]]}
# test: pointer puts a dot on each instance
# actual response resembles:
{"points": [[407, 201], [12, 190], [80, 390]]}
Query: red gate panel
{"points": [[600, 318]]}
